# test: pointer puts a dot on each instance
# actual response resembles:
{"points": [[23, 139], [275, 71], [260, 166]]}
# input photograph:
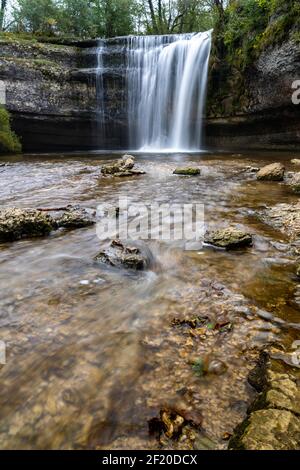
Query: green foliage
{"points": [[75, 18], [8, 140], [36, 16], [250, 26]]}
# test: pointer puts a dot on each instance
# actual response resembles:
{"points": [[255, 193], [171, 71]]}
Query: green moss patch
{"points": [[9, 142]]}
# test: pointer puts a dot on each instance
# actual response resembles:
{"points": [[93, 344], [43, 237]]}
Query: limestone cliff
{"points": [[253, 108], [51, 95]]}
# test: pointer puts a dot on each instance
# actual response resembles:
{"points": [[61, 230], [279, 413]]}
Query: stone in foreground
{"points": [[122, 168], [229, 238], [273, 421], [119, 255], [270, 429], [273, 172], [187, 171], [16, 224]]}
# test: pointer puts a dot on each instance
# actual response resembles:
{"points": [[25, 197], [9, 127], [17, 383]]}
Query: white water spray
{"points": [[167, 79]]}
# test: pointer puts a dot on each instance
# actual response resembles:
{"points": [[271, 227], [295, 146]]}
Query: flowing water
{"points": [[165, 81], [92, 353]]}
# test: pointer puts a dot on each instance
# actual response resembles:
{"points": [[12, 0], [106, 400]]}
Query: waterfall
{"points": [[160, 82], [100, 89], [167, 78]]}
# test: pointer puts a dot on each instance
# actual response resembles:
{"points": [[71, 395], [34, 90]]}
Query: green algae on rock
{"points": [[228, 238], [189, 171]]}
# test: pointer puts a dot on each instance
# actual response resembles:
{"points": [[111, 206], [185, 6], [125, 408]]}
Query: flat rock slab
{"points": [[273, 172], [75, 217], [187, 171], [120, 255], [229, 238], [16, 224], [283, 217]]}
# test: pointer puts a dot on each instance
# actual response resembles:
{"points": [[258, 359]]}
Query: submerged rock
{"points": [[118, 255], [16, 224], [75, 217], [187, 171], [228, 238], [295, 161], [173, 422], [273, 172], [121, 168]]}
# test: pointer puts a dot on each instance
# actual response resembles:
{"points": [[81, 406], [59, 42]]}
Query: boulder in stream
{"points": [[295, 161], [273, 172], [188, 171], [127, 256], [122, 168], [228, 238], [75, 217], [16, 224]]}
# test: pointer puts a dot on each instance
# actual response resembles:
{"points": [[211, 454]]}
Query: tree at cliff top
{"points": [[107, 18], [80, 18], [9, 142], [175, 16]]}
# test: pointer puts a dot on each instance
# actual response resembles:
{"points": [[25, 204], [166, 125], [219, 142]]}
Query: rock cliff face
{"points": [[255, 109], [51, 94]]}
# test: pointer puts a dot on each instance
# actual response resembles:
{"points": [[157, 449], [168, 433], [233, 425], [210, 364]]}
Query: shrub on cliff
{"points": [[9, 142]]}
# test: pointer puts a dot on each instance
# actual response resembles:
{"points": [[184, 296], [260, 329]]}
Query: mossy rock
{"points": [[269, 429], [229, 238], [187, 171], [16, 224]]}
